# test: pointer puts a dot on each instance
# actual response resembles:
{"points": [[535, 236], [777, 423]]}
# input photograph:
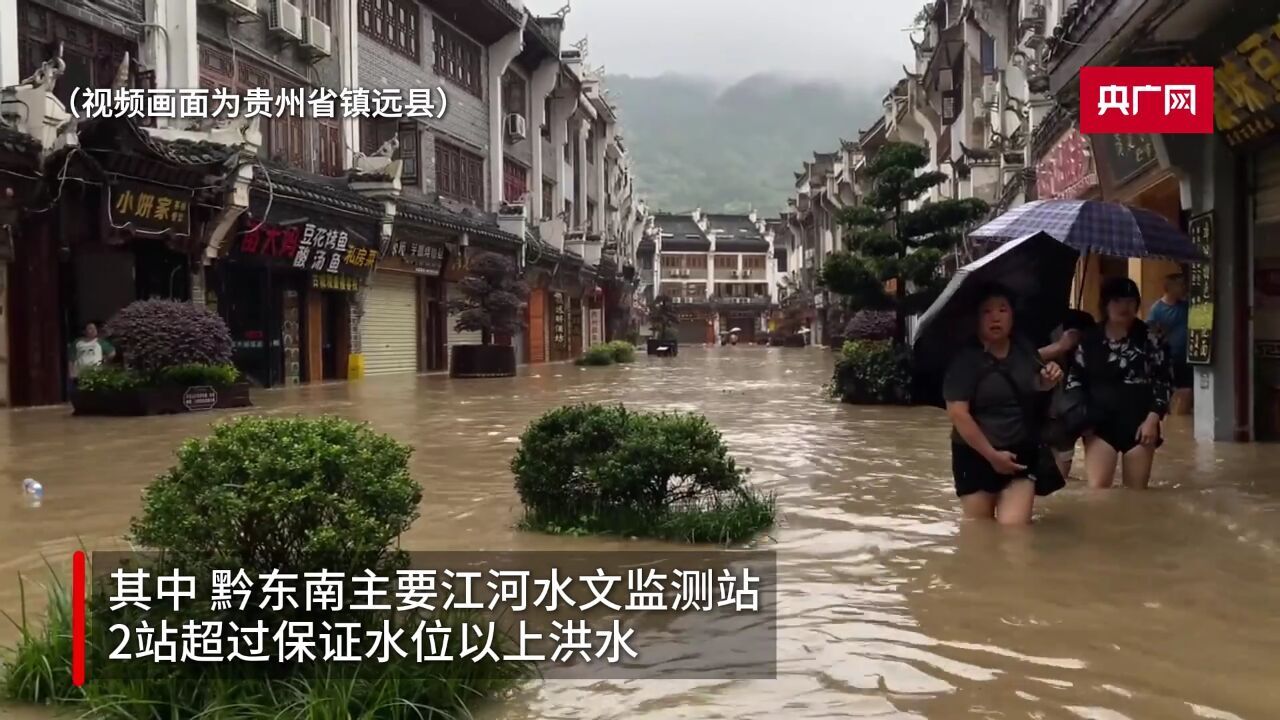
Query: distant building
{"points": [[720, 271]]}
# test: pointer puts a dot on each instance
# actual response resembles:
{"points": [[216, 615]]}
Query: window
{"points": [[673, 261], [591, 146], [988, 54], [569, 219], [515, 181], [92, 56], [753, 262], [393, 23], [515, 95], [321, 10], [457, 58], [376, 131], [459, 174], [330, 159], [548, 199], [696, 262], [546, 117], [590, 220], [726, 262]]}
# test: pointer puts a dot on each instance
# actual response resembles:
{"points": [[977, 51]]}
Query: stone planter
{"points": [[162, 400], [653, 346], [482, 361]]}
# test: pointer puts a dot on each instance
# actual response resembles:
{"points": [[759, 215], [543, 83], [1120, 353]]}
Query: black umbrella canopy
{"points": [[1035, 270]]}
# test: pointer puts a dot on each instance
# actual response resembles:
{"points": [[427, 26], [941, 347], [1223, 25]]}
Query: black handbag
{"points": [[1044, 470]]}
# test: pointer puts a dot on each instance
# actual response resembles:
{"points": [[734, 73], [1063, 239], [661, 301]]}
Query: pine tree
{"points": [[492, 297], [893, 256]]}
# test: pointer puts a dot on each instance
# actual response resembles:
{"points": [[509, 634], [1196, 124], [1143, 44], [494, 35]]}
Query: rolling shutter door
{"points": [[691, 332], [473, 337], [1267, 196], [390, 327]]}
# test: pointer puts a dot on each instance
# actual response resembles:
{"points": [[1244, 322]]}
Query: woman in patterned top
{"points": [[1126, 379]]}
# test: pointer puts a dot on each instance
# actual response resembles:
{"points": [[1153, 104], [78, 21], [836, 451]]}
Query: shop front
{"points": [[288, 283], [130, 227], [404, 321], [695, 324]]}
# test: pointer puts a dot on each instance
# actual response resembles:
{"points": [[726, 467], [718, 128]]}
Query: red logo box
{"points": [[1148, 100]]}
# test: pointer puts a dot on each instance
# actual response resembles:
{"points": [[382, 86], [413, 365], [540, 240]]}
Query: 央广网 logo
{"points": [[1148, 100]]}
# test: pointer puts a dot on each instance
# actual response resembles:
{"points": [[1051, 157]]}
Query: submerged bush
{"points": [[623, 351], [606, 469], [873, 372], [265, 493], [871, 325], [156, 334], [597, 355]]}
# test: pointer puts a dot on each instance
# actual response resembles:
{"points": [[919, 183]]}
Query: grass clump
{"points": [[295, 495], [623, 351], [594, 469], [597, 356]]}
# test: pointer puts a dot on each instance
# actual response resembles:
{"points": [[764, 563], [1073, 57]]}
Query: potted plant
{"points": [[662, 321], [176, 358], [493, 300]]}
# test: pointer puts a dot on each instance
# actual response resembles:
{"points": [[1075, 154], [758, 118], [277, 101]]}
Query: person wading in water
{"points": [[988, 389], [1125, 378]]}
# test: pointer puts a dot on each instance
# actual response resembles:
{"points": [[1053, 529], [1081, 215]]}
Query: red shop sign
{"points": [[1067, 171]]}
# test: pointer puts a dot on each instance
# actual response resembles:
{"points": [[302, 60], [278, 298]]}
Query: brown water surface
{"points": [[1119, 604]]}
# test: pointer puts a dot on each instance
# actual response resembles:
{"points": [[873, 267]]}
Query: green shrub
{"points": [[215, 375], [605, 469], [109, 378], [263, 493], [873, 372], [597, 355], [623, 351]]}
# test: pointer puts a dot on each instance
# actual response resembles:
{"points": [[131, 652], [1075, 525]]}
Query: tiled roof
{"points": [[756, 244], [282, 180], [177, 152], [736, 226], [685, 233], [434, 215]]}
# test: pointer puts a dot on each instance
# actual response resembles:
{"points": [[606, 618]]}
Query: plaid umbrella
{"points": [[1094, 226]]}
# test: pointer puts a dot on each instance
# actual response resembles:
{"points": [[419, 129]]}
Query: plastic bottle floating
{"points": [[33, 491]]}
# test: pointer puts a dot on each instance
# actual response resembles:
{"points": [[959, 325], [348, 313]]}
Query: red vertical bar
{"points": [[77, 618]]}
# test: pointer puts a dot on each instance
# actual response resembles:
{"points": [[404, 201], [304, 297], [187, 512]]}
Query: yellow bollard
{"points": [[355, 366]]}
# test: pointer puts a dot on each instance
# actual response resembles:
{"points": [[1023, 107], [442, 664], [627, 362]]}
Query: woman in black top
{"points": [[989, 389], [1126, 379]]}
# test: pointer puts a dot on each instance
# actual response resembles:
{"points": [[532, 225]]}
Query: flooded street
{"points": [[1115, 605]]}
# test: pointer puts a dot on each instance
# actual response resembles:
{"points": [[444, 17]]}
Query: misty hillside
{"points": [[696, 143]]}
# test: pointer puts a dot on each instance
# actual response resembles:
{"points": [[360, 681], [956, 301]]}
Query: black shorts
{"points": [[974, 474], [1120, 431], [1183, 377]]}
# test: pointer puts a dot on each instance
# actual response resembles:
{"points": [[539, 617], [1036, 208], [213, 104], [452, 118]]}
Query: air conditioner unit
{"points": [[317, 37], [285, 19], [733, 274], [516, 127], [237, 7], [746, 273]]}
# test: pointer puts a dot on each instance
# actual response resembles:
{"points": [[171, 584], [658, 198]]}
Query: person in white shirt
{"points": [[88, 351]]}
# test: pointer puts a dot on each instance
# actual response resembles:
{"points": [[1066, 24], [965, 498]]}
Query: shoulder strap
{"points": [[992, 368]]}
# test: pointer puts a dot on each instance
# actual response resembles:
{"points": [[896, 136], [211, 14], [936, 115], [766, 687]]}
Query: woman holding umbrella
{"points": [[989, 390], [1125, 378]]}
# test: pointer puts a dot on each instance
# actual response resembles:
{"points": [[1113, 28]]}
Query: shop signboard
{"points": [[1067, 171], [319, 246], [595, 327], [426, 258], [1200, 293], [1244, 51], [560, 322], [1125, 157], [336, 283], [147, 208]]}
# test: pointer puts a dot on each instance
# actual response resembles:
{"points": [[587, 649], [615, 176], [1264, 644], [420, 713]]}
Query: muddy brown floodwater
{"points": [[1119, 604]]}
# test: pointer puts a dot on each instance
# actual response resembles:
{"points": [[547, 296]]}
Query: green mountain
{"points": [[698, 143]]}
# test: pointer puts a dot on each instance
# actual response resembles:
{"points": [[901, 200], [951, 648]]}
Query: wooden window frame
{"points": [[394, 24], [548, 208], [515, 181], [459, 173], [457, 58], [513, 83], [322, 10]]}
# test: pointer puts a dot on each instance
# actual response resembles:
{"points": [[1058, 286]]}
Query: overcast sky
{"points": [[732, 39]]}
